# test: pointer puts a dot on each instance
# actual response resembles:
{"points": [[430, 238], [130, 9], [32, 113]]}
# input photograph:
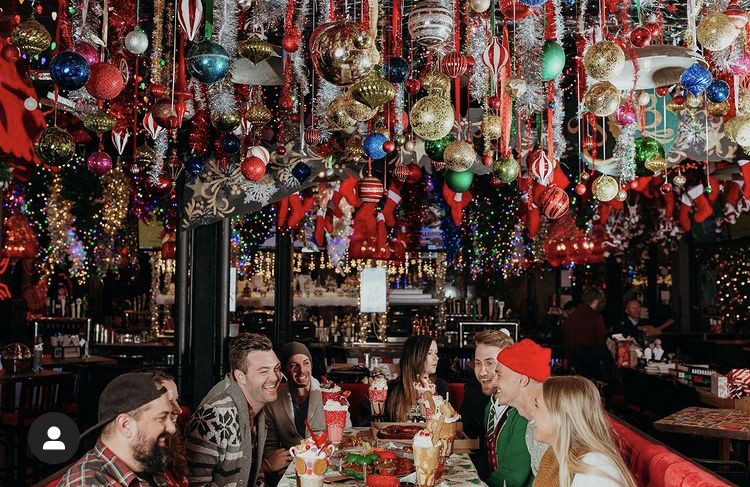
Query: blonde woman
{"points": [[569, 417]]}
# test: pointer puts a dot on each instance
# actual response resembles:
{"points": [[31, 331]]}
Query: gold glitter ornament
{"points": [[492, 126], [506, 169], [55, 146], [226, 121], [99, 122], [741, 131], [338, 115], [258, 115], [459, 156], [743, 105], [255, 49], [718, 109], [436, 83], [31, 37], [432, 117], [602, 99], [605, 188], [675, 107], [145, 155], [694, 101], [358, 111], [716, 32], [373, 91], [656, 164], [353, 151], [604, 60]]}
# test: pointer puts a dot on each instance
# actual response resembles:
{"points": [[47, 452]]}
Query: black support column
{"points": [[283, 276], [613, 312], [181, 309]]}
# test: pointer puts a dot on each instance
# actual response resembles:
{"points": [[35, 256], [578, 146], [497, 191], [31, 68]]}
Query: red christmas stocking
{"points": [[323, 224], [715, 186], [559, 178], [300, 207], [745, 168], [640, 184], [604, 210], [391, 202], [686, 203], [702, 208], [457, 203], [283, 211], [732, 198], [348, 189]]}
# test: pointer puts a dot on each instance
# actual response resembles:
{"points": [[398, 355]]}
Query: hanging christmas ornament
{"points": [[89, 52], [694, 101], [370, 189], [492, 126], [513, 10], [105, 81], [515, 87], [553, 60], [646, 148], [430, 23], [495, 56], [373, 145], [373, 91], [459, 156], [99, 163], [55, 146], [415, 174], [30, 37], [164, 114], [161, 188], [401, 172], [226, 121], [145, 156], [359, 112], [604, 60], [625, 115], [602, 99], [554, 202], [656, 164], [312, 136], [69, 70], [120, 139], [640, 37], [338, 116], [738, 16], [194, 166], [190, 16], [260, 152], [432, 117], [230, 143], [437, 166], [622, 195], [291, 40], [605, 188], [99, 122], [136, 41], [480, 6], [718, 109], [454, 64], [540, 165], [258, 115], [301, 172], [679, 180], [717, 91], [580, 189], [435, 148], [397, 69], [644, 99], [253, 169], [207, 62], [695, 79], [255, 49], [459, 181], [506, 169], [436, 83], [341, 52], [149, 123], [716, 32], [665, 188]]}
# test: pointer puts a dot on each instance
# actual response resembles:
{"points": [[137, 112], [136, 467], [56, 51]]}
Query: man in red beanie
{"points": [[521, 369]]}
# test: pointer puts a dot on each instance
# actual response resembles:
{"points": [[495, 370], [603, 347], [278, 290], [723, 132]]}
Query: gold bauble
{"points": [[675, 107], [604, 60], [338, 115], [31, 37], [341, 53], [459, 156], [258, 115], [693, 101], [516, 87], [602, 99], [353, 151], [55, 146], [506, 169], [226, 121], [718, 109], [373, 91], [679, 180], [605, 188], [145, 155], [743, 105], [656, 164], [255, 49], [358, 111], [436, 83], [492, 126], [99, 122], [399, 140], [741, 132], [716, 32], [432, 117], [622, 195], [729, 128]]}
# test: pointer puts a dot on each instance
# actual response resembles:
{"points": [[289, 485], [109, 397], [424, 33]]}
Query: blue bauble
{"points": [[397, 69], [373, 145], [695, 79], [718, 91], [208, 62], [69, 70], [301, 171], [194, 165], [230, 143], [533, 3]]}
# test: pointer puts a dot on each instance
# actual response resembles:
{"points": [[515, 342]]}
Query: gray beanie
{"points": [[293, 348]]}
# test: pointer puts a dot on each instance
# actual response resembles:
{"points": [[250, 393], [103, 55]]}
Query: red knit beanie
{"points": [[527, 358]]}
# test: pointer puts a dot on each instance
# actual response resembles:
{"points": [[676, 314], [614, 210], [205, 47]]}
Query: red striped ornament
{"points": [[312, 136], [190, 15], [149, 123], [120, 139], [454, 64], [542, 167], [495, 56], [401, 172], [370, 189], [555, 202]]}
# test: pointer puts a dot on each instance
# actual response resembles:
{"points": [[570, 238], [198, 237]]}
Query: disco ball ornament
{"points": [[55, 146], [99, 122], [435, 148], [506, 169], [459, 156], [718, 109], [605, 188], [602, 99], [679, 180], [641, 36], [373, 91], [370, 189], [301, 172], [492, 126], [136, 41], [656, 164], [646, 148], [430, 23], [553, 60], [432, 117], [716, 32], [253, 168], [99, 163], [459, 181], [224, 121], [194, 166], [695, 79], [256, 49], [341, 52], [207, 62], [717, 91], [161, 188], [644, 99], [437, 83], [69, 70], [555, 202], [604, 60], [373, 145], [480, 6], [30, 37], [397, 69], [230, 143], [625, 115], [105, 81]]}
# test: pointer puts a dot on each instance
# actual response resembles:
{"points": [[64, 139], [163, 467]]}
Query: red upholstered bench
{"points": [[655, 465]]}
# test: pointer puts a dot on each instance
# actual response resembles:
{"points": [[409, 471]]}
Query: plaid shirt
{"points": [[100, 467]]}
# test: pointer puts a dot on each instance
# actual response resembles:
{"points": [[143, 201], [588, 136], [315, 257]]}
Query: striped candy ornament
{"points": [[541, 166], [190, 15], [149, 123], [454, 64], [438, 165], [495, 56], [259, 152], [120, 140], [401, 172], [312, 136], [370, 189], [555, 202]]}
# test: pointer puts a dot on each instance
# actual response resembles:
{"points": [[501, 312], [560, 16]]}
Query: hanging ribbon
{"points": [[209, 19], [506, 110]]}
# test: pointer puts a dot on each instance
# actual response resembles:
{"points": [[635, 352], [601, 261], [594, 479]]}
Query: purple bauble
{"points": [[99, 163], [625, 115], [89, 52]]}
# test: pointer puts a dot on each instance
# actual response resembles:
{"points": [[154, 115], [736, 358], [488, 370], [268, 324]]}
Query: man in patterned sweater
{"points": [[225, 436]]}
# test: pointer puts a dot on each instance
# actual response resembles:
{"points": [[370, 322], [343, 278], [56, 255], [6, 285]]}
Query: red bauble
{"points": [[281, 150], [401, 172], [665, 188], [323, 150], [655, 29], [580, 189], [291, 40], [495, 102], [370, 189], [294, 117], [285, 101], [402, 118], [161, 112], [11, 53], [389, 146], [312, 136], [415, 173], [161, 189], [487, 160], [634, 184], [412, 86], [105, 81], [662, 90], [454, 64], [253, 168], [512, 9], [679, 99], [470, 61], [555, 203], [640, 37]]}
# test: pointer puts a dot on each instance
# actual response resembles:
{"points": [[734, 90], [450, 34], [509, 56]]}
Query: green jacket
{"points": [[513, 459]]}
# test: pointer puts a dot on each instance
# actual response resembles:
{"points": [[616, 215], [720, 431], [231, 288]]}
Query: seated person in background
{"points": [[632, 326], [570, 419], [132, 447]]}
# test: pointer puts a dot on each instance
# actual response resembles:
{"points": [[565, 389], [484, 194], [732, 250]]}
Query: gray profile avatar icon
{"points": [[54, 438], [54, 443]]}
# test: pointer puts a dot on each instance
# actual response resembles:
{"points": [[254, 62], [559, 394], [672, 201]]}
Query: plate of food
{"points": [[399, 431]]}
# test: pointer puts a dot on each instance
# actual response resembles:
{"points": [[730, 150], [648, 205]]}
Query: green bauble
{"points": [[506, 169], [435, 148], [459, 181], [553, 60], [646, 148]]}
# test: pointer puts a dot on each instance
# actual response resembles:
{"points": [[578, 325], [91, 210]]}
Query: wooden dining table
{"points": [[90, 360]]}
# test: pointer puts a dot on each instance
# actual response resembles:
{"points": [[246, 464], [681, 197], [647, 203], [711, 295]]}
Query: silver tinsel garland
{"points": [[298, 57], [558, 113], [225, 25], [325, 94], [529, 42], [87, 22], [161, 144], [478, 40], [266, 13], [399, 107], [625, 153]]}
